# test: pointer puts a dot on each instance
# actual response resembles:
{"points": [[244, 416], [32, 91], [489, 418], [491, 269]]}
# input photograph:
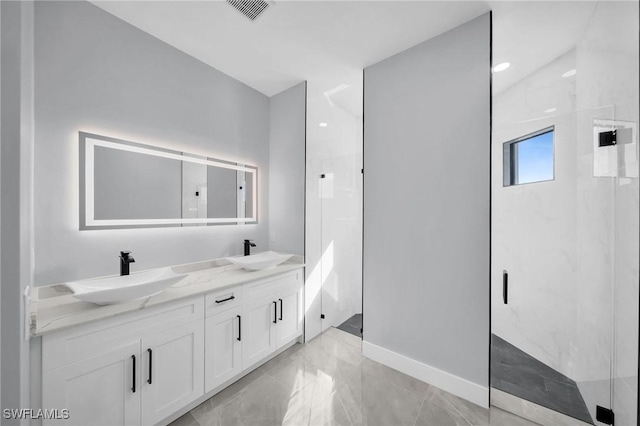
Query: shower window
{"points": [[529, 158]]}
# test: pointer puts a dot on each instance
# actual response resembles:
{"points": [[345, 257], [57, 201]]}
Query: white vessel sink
{"points": [[110, 290], [260, 261]]}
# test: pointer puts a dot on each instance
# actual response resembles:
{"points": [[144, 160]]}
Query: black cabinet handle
{"points": [[280, 309], [505, 287], [239, 328], [275, 312], [226, 300], [133, 386], [150, 360]]}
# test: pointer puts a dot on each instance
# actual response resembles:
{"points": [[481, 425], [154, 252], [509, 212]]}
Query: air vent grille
{"points": [[249, 8]]}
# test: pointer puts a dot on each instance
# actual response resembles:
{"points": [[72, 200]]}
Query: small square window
{"points": [[529, 159]]}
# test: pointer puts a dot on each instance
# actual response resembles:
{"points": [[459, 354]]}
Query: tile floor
{"points": [[327, 381], [353, 325], [518, 373]]}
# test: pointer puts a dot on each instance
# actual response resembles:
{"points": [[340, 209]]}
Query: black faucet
{"points": [[247, 247], [125, 260]]}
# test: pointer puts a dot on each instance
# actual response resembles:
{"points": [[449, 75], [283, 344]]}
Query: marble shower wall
{"points": [[534, 233], [571, 245]]}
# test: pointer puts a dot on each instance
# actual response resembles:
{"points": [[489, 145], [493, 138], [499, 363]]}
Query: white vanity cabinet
{"points": [[248, 323], [290, 315], [173, 371], [146, 366], [98, 390], [136, 369], [259, 321], [272, 316], [223, 336]]}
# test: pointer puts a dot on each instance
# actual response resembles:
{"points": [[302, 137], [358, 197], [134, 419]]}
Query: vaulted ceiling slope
{"points": [[327, 41]]}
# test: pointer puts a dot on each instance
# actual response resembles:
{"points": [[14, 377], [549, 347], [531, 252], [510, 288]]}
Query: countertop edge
{"points": [[42, 326]]}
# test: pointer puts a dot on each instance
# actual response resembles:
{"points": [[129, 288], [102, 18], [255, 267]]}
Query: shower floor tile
{"points": [[515, 372], [353, 325]]}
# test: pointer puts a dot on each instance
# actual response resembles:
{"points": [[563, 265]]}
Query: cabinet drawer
{"points": [[68, 346], [222, 300], [263, 288]]}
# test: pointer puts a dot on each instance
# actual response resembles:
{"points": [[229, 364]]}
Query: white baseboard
{"points": [[451, 383]]}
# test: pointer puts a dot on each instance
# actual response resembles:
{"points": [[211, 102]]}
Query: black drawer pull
{"points": [[505, 287], [239, 328], [280, 309], [150, 360], [133, 386], [226, 300], [275, 312]]}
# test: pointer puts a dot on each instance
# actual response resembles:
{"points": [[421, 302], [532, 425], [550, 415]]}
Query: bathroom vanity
{"points": [[149, 361]]}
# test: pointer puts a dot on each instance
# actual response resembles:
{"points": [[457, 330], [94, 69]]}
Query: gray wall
{"points": [[98, 74], [287, 172], [426, 202], [16, 216]]}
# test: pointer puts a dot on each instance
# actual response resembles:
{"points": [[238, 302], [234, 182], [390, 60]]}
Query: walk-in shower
{"points": [[565, 245]]}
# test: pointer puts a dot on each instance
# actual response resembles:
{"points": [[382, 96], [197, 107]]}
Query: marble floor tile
{"points": [[498, 417], [318, 403], [186, 420], [459, 411], [327, 381], [375, 401], [393, 376], [206, 408], [345, 337], [262, 402]]}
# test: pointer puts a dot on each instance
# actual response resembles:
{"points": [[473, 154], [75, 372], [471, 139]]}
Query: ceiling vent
{"points": [[249, 8]]}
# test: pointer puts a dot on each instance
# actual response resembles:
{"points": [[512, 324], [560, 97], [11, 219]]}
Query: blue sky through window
{"points": [[535, 159]]}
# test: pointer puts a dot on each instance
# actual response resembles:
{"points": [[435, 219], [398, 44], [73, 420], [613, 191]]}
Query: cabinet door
{"points": [[258, 330], [223, 347], [102, 390], [289, 316], [173, 371]]}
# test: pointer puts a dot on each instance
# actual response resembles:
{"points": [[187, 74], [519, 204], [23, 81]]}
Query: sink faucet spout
{"points": [[247, 247], [125, 260]]}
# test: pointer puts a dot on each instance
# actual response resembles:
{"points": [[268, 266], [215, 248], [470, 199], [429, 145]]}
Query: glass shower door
{"points": [[565, 250], [341, 235]]}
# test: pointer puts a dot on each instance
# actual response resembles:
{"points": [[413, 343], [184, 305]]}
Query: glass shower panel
{"points": [[565, 252], [341, 234], [620, 61], [552, 273]]}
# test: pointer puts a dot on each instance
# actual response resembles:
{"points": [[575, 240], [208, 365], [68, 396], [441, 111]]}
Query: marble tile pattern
{"points": [[534, 229], [54, 307], [327, 381]]}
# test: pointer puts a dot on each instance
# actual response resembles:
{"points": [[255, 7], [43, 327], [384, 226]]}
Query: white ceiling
{"points": [[328, 43]]}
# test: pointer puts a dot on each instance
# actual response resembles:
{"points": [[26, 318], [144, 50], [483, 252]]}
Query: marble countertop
{"points": [[54, 308]]}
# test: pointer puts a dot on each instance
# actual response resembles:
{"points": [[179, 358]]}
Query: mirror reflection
{"points": [[126, 184]]}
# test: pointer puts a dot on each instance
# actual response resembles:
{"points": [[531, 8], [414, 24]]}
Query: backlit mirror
{"points": [[126, 184]]}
